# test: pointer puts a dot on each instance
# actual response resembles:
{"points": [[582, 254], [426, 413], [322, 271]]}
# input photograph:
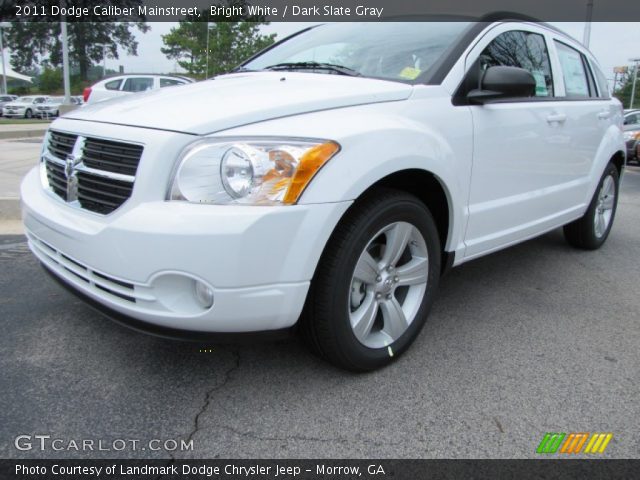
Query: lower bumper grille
{"points": [[68, 267]]}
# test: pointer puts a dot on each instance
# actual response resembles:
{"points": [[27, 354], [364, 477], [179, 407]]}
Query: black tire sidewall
{"points": [[404, 208]]}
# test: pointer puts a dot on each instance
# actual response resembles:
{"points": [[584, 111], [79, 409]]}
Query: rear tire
{"points": [[591, 230], [375, 282]]}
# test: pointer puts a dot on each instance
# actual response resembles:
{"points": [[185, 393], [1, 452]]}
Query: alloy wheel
{"points": [[388, 285], [604, 207]]}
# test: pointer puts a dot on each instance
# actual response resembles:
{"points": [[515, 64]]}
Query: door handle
{"points": [[604, 115], [557, 118]]}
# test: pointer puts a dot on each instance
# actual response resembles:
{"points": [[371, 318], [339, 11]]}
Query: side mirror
{"points": [[503, 82]]}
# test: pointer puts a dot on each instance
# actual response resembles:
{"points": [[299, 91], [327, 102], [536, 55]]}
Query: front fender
{"points": [[378, 140]]}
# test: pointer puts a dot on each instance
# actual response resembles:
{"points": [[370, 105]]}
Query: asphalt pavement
{"points": [[534, 339]]}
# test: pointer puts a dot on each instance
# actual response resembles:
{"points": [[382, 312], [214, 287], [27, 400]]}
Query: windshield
{"points": [[25, 100], [393, 51]]}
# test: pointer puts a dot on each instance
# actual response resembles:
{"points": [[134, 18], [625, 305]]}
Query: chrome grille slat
{"points": [[111, 156], [105, 170], [61, 144]]}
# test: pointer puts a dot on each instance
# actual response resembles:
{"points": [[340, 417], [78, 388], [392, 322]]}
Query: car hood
{"points": [[631, 128], [13, 104], [239, 99]]}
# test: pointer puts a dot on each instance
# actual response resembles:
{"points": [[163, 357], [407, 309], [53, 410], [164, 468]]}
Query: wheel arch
{"points": [[429, 189]]}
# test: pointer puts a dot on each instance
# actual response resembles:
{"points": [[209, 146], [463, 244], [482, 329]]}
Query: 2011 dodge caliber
{"points": [[329, 181]]}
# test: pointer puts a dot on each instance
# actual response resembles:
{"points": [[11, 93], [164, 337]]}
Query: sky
{"points": [[613, 44]]}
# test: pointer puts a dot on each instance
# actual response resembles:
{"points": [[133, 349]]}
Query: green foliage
{"points": [[623, 93], [230, 42], [50, 80], [32, 43]]}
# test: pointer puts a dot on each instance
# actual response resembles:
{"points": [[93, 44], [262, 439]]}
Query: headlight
{"points": [[251, 172], [631, 136]]}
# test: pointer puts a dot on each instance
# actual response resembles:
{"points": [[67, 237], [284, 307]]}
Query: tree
{"points": [[623, 93], [31, 43], [230, 42]]}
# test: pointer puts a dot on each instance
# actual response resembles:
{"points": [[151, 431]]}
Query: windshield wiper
{"points": [[314, 66], [242, 69]]}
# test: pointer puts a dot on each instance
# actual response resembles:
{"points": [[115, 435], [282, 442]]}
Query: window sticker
{"points": [[410, 73], [575, 81]]}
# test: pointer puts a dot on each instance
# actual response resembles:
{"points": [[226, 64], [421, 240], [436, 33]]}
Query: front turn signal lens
{"points": [[310, 164]]}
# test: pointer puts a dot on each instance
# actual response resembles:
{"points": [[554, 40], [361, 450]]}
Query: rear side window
{"points": [[603, 85], [574, 71], [5, 99], [524, 50], [632, 119], [170, 82], [113, 84], [136, 84]]}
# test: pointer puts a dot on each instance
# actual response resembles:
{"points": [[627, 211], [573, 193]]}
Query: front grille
{"points": [[57, 179], [61, 144], [101, 194], [105, 171], [111, 156]]}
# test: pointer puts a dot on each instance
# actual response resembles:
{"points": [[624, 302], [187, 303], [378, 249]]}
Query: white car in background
{"points": [[127, 84], [51, 108], [24, 106], [329, 182], [4, 99]]}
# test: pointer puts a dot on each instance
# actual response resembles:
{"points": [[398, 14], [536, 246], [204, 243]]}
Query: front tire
{"points": [[591, 230], [375, 282], [28, 113]]}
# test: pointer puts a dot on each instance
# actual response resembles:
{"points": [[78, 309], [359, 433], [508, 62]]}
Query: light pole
{"points": [[209, 27], [206, 74], [4, 71], [65, 61], [104, 59], [635, 77], [586, 38]]}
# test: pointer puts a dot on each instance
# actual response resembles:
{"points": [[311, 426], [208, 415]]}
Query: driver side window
{"points": [[523, 50]]}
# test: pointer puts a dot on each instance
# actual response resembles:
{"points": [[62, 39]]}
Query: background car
{"points": [[632, 138], [51, 108], [632, 134], [4, 99], [127, 84], [24, 106]]}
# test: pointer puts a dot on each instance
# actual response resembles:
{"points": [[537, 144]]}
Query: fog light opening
{"points": [[204, 294]]}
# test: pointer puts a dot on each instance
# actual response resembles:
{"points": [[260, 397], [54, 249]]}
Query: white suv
{"points": [[122, 85], [329, 182]]}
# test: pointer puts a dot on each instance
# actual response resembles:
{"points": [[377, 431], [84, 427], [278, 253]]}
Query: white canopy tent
{"points": [[12, 75]]}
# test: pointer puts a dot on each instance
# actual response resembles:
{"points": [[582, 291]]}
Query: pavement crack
{"points": [[211, 393], [498, 424], [208, 398]]}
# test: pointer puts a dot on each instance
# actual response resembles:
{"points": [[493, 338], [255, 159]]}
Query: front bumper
{"points": [[13, 113], [143, 261]]}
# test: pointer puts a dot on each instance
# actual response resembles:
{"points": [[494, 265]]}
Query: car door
{"points": [[520, 177]]}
